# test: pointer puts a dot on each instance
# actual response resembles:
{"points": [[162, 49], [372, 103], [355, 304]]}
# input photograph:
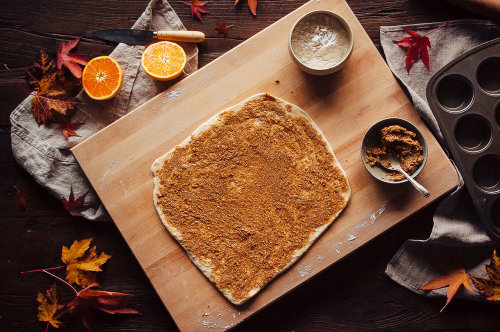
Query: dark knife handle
{"points": [[182, 36]]}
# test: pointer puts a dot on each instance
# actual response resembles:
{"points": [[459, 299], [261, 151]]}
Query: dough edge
{"points": [[205, 267]]}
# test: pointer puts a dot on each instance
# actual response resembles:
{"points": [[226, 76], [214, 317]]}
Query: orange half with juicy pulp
{"points": [[102, 78], [164, 60]]}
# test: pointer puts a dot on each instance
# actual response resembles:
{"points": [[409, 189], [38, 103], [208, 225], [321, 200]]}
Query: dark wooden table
{"points": [[353, 294]]}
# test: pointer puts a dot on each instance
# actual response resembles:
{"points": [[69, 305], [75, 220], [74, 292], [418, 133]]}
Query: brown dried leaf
{"points": [[491, 287], [54, 92]]}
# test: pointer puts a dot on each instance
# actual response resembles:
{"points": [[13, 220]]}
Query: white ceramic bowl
{"points": [[334, 67]]}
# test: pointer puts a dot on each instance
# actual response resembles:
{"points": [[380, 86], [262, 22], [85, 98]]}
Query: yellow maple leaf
{"points": [[49, 309], [82, 278], [491, 287], [76, 251], [82, 261]]}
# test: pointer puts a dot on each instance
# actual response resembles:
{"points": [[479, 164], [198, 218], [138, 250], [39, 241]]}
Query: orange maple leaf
{"points": [[81, 263], [252, 4], [68, 128], [491, 287], [49, 309], [54, 97], [454, 278]]}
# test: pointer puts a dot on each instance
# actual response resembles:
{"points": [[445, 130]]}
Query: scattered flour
{"points": [[110, 166], [304, 271], [158, 268], [365, 222], [376, 214], [125, 191], [174, 94], [208, 324]]}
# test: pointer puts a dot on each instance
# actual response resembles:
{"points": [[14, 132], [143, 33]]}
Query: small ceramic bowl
{"points": [[335, 66], [371, 140]]}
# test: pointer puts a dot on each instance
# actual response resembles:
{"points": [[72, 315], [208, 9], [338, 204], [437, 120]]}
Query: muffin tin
{"points": [[465, 99]]}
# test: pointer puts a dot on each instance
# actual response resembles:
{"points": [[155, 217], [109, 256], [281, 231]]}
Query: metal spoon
{"points": [[395, 165]]}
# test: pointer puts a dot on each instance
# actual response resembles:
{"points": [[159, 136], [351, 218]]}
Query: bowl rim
{"points": [[384, 122], [338, 65]]}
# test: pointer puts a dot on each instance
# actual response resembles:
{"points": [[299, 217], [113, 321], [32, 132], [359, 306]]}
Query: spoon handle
{"points": [[417, 185]]}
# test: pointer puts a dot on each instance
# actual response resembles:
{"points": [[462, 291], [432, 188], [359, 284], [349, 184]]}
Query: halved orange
{"points": [[163, 60], [102, 78]]}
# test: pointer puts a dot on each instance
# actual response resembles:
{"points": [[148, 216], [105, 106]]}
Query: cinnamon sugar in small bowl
{"points": [[393, 136], [320, 42]]}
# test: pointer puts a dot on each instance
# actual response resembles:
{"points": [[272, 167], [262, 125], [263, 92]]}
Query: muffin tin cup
{"points": [[465, 99]]}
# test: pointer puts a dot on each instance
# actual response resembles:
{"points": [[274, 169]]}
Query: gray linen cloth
{"points": [[457, 235], [44, 152]]}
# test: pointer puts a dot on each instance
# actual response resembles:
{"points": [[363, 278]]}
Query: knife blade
{"points": [[143, 37]]}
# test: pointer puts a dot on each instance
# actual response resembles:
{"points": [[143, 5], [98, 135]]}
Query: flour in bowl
{"points": [[320, 41]]}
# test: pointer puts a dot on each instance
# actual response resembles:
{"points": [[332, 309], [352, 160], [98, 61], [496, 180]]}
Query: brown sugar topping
{"points": [[401, 142], [249, 191]]}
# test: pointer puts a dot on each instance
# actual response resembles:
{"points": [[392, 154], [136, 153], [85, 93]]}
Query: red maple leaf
{"points": [[110, 302], [75, 206], [197, 8], [252, 4], [417, 47], [221, 28], [68, 128], [71, 60]]}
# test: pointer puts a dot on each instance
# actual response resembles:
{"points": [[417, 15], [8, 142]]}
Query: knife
{"points": [[142, 37]]}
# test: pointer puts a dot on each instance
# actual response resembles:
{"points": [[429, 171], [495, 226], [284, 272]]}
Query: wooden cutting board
{"points": [[117, 161]]}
